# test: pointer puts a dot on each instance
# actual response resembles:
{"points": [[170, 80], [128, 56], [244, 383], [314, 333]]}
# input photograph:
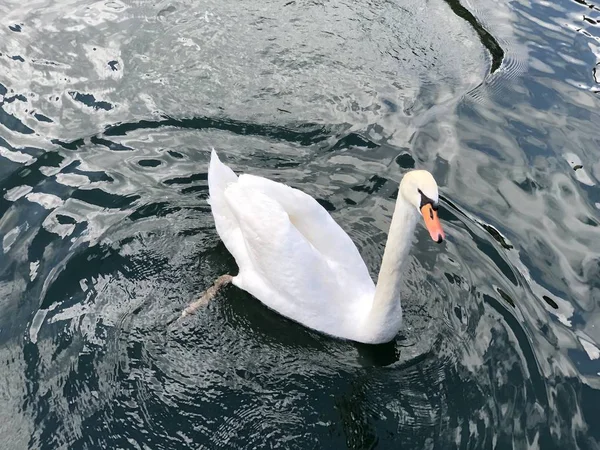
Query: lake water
{"points": [[108, 111]]}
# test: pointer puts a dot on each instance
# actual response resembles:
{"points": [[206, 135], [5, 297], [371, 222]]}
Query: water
{"points": [[107, 114]]}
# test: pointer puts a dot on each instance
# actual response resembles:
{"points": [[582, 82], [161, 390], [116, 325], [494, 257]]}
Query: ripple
{"points": [[108, 112], [90, 101], [149, 163]]}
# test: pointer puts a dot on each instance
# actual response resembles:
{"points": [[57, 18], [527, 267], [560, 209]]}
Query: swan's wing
{"points": [[318, 228], [278, 251], [292, 255], [285, 271]]}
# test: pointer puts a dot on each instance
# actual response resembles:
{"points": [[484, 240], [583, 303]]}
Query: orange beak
{"points": [[432, 222]]}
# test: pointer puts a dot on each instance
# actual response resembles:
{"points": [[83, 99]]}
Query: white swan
{"points": [[294, 258]]}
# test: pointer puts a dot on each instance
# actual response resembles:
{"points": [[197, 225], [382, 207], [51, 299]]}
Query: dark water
{"points": [[107, 114]]}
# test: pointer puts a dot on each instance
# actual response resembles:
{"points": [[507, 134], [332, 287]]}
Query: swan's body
{"points": [[295, 258]]}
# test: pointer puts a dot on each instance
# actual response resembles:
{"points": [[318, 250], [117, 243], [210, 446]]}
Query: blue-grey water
{"points": [[108, 111]]}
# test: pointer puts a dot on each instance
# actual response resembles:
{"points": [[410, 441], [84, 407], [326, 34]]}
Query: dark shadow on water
{"points": [[332, 137], [378, 355], [304, 134], [488, 41]]}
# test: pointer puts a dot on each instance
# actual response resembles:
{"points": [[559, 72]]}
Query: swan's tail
{"points": [[219, 177]]}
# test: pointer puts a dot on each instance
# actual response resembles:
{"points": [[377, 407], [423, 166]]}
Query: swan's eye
{"points": [[426, 200]]}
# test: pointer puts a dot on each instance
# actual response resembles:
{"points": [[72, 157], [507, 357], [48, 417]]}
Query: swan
{"points": [[295, 259]]}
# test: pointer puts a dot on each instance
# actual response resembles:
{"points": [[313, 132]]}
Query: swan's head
{"points": [[418, 187]]}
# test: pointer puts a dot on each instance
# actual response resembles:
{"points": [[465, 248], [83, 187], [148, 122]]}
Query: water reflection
{"points": [[107, 113]]}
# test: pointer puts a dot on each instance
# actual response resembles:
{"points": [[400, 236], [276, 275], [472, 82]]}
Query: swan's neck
{"points": [[385, 316]]}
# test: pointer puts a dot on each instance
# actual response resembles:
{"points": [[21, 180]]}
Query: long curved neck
{"points": [[385, 316]]}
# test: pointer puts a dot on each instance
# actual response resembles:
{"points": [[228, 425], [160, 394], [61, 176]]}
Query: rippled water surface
{"points": [[108, 111]]}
